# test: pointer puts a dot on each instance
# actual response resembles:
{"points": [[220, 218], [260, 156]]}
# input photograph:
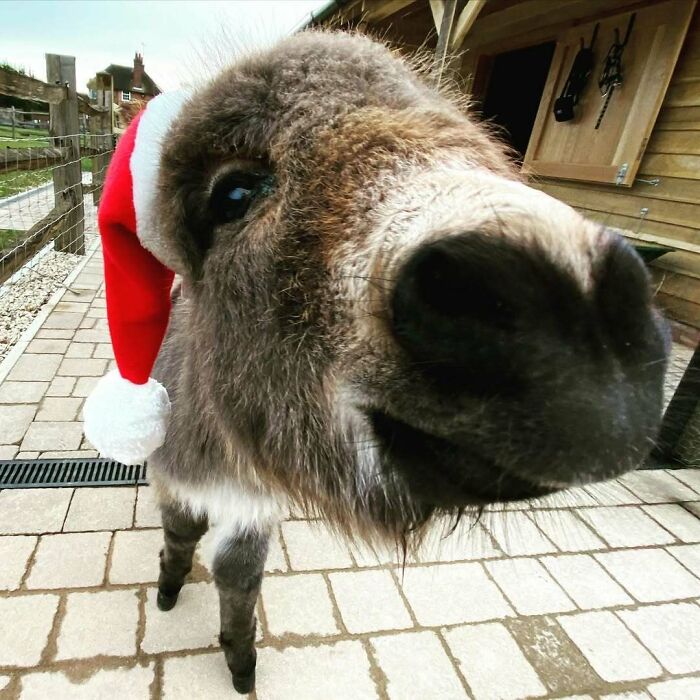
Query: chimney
{"points": [[137, 76]]}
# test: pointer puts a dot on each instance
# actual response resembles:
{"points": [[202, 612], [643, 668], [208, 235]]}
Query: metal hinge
{"points": [[622, 171]]}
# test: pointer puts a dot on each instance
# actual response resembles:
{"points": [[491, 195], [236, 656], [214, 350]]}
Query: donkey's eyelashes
{"points": [[233, 194]]}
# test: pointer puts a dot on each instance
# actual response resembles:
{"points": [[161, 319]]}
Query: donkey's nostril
{"points": [[454, 306], [446, 280]]}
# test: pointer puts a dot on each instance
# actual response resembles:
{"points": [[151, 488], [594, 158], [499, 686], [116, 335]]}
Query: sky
{"points": [[181, 40]]}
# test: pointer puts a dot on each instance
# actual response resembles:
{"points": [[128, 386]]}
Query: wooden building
{"points": [[636, 167]]}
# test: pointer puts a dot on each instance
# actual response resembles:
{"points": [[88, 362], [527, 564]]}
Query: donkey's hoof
{"points": [[166, 602], [244, 683]]}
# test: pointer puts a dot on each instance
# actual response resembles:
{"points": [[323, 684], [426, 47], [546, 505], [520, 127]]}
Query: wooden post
{"points": [[64, 128], [444, 32], [12, 117], [102, 138]]}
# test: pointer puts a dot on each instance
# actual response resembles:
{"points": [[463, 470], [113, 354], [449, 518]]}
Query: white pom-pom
{"points": [[127, 421]]}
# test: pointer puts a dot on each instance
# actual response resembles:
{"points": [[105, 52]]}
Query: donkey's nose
{"points": [[464, 304]]}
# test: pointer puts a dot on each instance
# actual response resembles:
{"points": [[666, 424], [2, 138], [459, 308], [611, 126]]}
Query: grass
{"points": [[17, 181], [23, 138], [9, 238]]}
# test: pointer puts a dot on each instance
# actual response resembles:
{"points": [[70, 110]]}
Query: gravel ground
{"points": [[22, 300]]}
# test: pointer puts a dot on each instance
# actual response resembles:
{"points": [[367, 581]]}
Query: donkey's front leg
{"points": [[238, 570], [182, 531]]}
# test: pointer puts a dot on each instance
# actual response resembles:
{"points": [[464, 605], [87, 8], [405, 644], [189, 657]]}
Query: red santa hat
{"points": [[126, 415]]}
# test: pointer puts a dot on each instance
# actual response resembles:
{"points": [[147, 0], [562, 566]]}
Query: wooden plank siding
{"points": [[673, 217]]}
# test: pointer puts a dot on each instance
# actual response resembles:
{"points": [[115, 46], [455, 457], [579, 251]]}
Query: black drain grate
{"points": [[48, 473]]}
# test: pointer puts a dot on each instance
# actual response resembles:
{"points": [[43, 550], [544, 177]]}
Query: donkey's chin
{"points": [[447, 474]]}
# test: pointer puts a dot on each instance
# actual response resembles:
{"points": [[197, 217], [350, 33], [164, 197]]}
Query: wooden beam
{"points": [[443, 45], [36, 238], [465, 22], [377, 10], [27, 88], [437, 7]]}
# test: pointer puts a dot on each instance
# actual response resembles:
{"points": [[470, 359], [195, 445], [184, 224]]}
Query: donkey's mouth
{"points": [[445, 473]]}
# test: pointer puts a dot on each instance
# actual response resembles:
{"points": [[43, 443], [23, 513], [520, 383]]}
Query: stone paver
{"points": [[53, 436], [653, 486], [492, 663], [14, 555], [396, 655], [586, 582], [22, 392], [45, 345], [529, 587], [448, 594], [467, 542], [609, 647], [275, 554], [688, 555], [588, 594], [369, 601], [33, 510], [625, 527], [103, 508], [82, 368], [677, 520], [312, 546], [516, 534], [192, 624], [677, 689], [135, 556], [321, 672], [70, 560], [690, 477], [566, 530], [298, 604], [650, 575], [61, 386], [59, 409], [35, 368], [25, 627], [106, 684], [200, 676], [147, 511], [97, 624], [671, 632], [14, 422]]}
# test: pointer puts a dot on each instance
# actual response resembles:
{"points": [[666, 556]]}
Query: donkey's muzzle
{"points": [[565, 377]]}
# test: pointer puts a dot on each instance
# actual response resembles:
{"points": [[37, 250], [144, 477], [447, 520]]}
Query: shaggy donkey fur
{"points": [[378, 323]]}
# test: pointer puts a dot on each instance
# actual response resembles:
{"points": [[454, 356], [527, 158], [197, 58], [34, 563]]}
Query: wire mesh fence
{"points": [[43, 198], [52, 165]]}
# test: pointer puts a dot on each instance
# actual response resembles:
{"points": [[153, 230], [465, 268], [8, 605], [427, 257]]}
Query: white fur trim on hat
{"points": [[127, 421], [153, 128]]}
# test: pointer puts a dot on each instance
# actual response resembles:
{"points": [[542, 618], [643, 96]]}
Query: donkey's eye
{"points": [[233, 194]]}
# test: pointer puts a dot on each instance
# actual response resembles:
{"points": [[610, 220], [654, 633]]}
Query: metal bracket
{"points": [[654, 182], [622, 171]]}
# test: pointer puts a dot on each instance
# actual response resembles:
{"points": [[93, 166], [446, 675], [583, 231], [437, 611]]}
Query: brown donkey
{"points": [[378, 321]]}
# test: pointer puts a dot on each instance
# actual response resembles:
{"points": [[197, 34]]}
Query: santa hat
{"points": [[126, 415]]}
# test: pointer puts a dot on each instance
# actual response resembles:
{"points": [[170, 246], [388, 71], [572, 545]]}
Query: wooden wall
{"points": [[672, 154], [673, 217]]}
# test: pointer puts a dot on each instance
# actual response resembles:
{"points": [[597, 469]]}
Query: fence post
{"points": [[12, 118], [64, 126], [102, 137]]}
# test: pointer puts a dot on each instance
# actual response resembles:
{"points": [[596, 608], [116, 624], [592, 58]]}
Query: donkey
{"points": [[379, 322]]}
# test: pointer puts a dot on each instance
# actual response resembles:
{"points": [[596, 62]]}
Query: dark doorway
{"points": [[513, 91]]}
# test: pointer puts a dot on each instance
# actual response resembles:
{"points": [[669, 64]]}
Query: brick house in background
{"points": [[133, 87]]}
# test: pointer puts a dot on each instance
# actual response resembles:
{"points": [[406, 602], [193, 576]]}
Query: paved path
{"points": [[594, 594]]}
